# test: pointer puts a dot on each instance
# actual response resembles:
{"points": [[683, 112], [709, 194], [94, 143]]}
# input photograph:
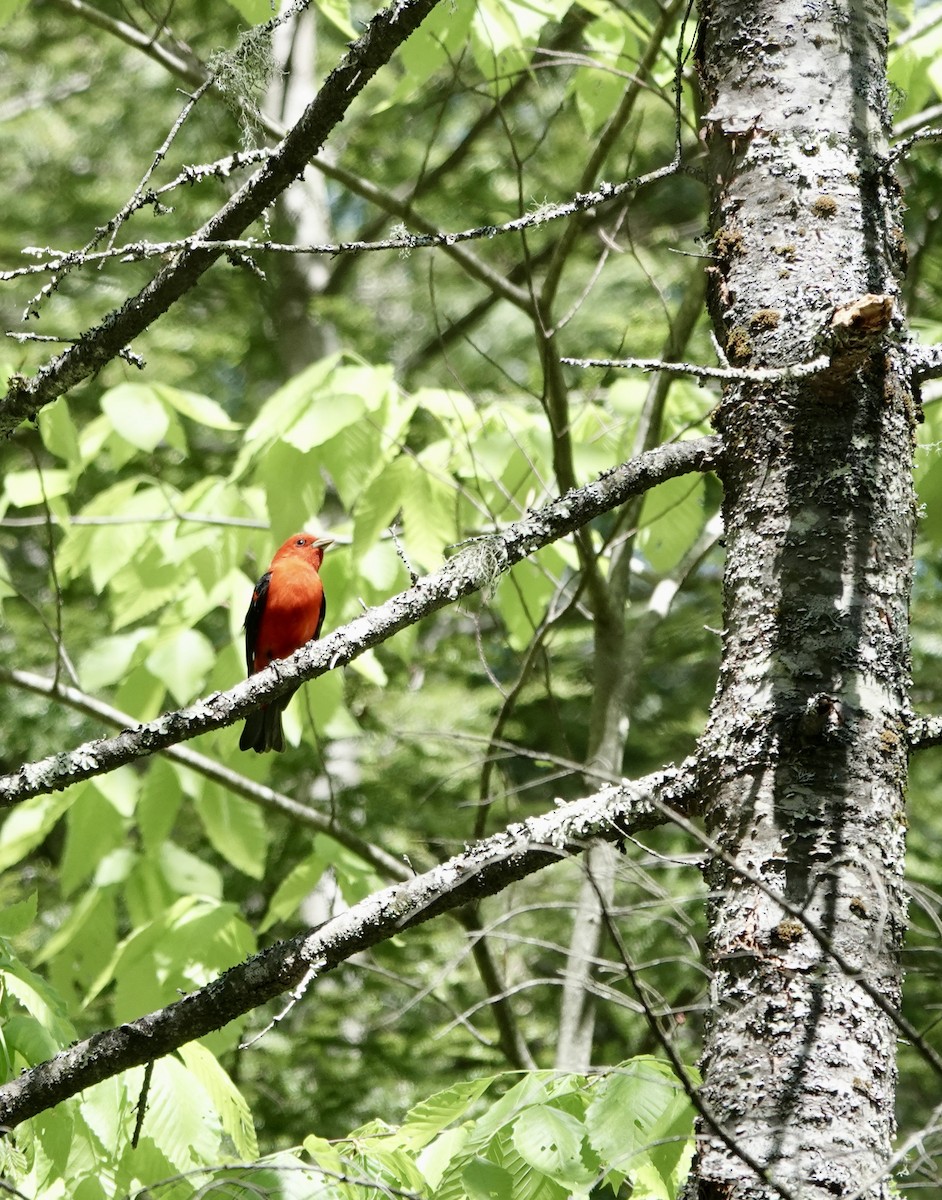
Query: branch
{"points": [[904, 147], [178, 60], [925, 362], [726, 374], [403, 240], [385, 864], [476, 567], [924, 732], [483, 870], [382, 36]]}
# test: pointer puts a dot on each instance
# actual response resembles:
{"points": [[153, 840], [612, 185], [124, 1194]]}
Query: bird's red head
{"points": [[308, 546]]}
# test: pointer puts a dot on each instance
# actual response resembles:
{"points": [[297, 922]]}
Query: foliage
{"points": [[152, 499], [544, 1135]]}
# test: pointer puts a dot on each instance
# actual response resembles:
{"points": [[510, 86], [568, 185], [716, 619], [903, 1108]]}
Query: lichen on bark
{"points": [[803, 788]]}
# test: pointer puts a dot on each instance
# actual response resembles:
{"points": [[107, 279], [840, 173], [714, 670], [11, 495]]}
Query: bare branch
{"points": [[403, 241], [476, 567], [483, 870], [925, 732], [385, 864], [382, 36], [725, 374], [903, 147], [180, 62]]}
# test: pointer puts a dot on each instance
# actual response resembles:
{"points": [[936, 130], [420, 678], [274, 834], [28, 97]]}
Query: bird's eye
{"points": [[300, 542]]}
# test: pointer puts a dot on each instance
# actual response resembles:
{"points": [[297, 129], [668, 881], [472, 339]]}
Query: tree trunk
{"points": [[803, 757]]}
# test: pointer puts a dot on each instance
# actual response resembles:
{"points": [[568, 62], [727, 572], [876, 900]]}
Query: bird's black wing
{"points": [[253, 620], [320, 619]]}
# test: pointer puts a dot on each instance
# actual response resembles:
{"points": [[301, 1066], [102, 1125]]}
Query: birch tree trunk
{"points": [[803, 761]]}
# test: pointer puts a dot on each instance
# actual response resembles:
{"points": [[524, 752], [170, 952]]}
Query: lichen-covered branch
{"points": [[478, 566], [483, 870], [372, 50]]}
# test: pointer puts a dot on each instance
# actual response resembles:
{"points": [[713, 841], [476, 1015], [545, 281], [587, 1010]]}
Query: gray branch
{"points": [[478, 566], [925, 362], [381, 38], [483, 870]]}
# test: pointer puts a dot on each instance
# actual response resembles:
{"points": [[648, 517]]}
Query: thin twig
{"points": [[403, 241], [725, 374]]}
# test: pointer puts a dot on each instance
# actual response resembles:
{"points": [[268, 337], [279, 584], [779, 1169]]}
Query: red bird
{"points": [[287, 612]]}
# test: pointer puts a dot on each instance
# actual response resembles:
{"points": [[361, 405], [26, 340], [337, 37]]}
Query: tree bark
{"points": [[803, 760]]}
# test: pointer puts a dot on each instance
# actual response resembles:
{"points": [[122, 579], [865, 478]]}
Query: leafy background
{"points": [[367, 394]]}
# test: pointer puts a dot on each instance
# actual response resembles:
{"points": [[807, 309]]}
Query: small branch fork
{"points": [[477, 566]]}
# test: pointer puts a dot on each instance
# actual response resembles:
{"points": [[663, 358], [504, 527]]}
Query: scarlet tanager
{"points": [[286, 612]]}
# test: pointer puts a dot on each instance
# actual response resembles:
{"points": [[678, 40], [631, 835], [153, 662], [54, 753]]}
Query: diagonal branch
{"points": [[476, 567], [385, 864], [381, 38], [482, 870]]}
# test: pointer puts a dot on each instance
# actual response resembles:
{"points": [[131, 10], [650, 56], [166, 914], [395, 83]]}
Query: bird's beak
{"points": [[322, 543]]}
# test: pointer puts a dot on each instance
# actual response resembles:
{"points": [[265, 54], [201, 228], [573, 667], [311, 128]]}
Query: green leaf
{"points": [[381, 501], [442, 1154], [323, 419], [181, 662], [283, 407], [58, 431], [17, 917], [187, 874], [93, 828], [324, 1153], [9, 8], [26, 488], [136, 414], [428, 513], [522, 599], [89, 927], [294, 488], [180, 1117], [39, 999], [354, 457], [120, 787], [551, 1141], [110, 658], [429, 1117], [227, 1100], [928, 480], [436, 42], [672, 520], [159, 803], [199, 408], [30, 823], [236, 828], [338, 13], [28, 1039], [485, 1181], [531, 1089], [355, 879], [640, 1121], [297, 884], [189, 943], [115, 867]]}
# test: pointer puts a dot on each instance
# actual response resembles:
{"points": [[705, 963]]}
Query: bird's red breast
{"points": [[287, 610]]}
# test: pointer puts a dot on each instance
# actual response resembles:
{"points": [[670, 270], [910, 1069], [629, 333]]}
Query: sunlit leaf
{"points": [[137, 414]]}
